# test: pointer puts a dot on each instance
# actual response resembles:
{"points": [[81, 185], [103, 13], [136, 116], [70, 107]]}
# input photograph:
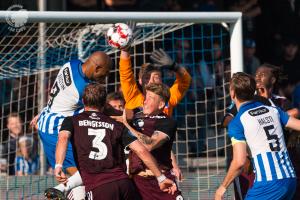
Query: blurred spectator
{"points": [[251, 62], [172, 5], [116, 100], [212, 67], [206, 6], [83, 5], [119, 5], [290, 60], [27, 160], [14, 125], [289, 20], [250, 10]]}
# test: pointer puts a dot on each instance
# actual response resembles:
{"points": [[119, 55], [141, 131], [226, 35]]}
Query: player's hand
{"points": [[161, 59], [168, 186], [135, 33], [60, 175], [177, 172], [220, 193], [33, 122]]}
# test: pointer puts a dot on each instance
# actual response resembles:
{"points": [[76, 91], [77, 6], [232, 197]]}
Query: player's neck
{"points": [[239, 104], [87, 108]]}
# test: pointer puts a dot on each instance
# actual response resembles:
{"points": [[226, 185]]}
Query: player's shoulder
{"points": [[164, 120], [97, 116]]}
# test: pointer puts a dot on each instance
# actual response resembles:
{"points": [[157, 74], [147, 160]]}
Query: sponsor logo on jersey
{"points": [[258, 111], [158, 117], [94, 116], [67, 76]]}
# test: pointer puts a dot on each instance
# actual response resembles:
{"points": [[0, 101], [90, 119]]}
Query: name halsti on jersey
{"points": [[64, 98], [261, 127]]}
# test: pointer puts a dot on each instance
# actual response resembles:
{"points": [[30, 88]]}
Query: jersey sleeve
{"points": [[179, 88], [132, 95], [127, 138], [236, 131], [67, 125], [167, 126], [284, 117]]}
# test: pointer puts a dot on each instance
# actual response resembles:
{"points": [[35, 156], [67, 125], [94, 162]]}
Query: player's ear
{"points": [[161, 105], [232, 93], [273, 80]]}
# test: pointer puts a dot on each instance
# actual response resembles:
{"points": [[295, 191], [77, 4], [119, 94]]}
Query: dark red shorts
{"points": [[149, 189], [117, 190]]}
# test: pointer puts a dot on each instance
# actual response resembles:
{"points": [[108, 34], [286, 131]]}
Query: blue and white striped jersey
{"points": [[261, 127], [65, 98], [27, 167]]}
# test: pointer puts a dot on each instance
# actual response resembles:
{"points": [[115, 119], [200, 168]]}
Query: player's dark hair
{"points": [[277, 73], [243, 85], [115, 96], [94, 95], [146, 71], [160, 89]]}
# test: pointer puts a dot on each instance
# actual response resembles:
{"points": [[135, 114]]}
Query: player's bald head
{"points": [[97, 66]]}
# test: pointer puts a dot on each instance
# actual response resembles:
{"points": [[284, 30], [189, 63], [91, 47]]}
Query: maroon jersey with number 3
{"points": [[98, 143]]}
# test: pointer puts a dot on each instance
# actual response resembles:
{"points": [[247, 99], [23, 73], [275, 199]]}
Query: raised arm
{"points": [[183, 79], [132, 95]]}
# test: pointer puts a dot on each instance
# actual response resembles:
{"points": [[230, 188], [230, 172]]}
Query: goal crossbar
{"points": [[232, 18]]}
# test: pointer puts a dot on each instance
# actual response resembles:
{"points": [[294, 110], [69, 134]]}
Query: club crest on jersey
{"points": [[67, 76], [258, 111], [140, 123], [94, 116]]}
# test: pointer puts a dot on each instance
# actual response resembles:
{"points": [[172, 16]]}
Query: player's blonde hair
{"points": [[160, 89]]}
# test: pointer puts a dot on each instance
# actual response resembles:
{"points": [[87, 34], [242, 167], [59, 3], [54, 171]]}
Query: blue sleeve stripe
{"points": [[262, 168], [79, 81], [284, 118]]}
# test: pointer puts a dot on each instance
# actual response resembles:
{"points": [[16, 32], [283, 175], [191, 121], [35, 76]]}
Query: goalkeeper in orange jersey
{"points": [[151, 73]]}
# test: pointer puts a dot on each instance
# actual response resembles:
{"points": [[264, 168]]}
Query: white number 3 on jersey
{"points": [[97, 143]]}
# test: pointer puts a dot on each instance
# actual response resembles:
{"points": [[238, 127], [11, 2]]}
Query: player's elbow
{"points": [[141, 151], [239, 163]]}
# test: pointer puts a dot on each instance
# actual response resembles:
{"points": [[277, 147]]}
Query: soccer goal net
{"points": [[208, 45]]}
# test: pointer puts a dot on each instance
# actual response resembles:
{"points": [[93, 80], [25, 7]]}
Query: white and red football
{"points": [[119, 35]]}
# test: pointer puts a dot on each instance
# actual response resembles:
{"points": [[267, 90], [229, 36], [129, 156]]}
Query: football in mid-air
{"points": [[119, 35]]}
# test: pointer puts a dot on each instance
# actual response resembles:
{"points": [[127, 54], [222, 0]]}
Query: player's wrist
{"points": [[222, 189], [161, 178], [57, 165], [174, 67]]}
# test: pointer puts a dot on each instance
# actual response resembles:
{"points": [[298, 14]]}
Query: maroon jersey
{"points": [[98, 144], [148, 125]]}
